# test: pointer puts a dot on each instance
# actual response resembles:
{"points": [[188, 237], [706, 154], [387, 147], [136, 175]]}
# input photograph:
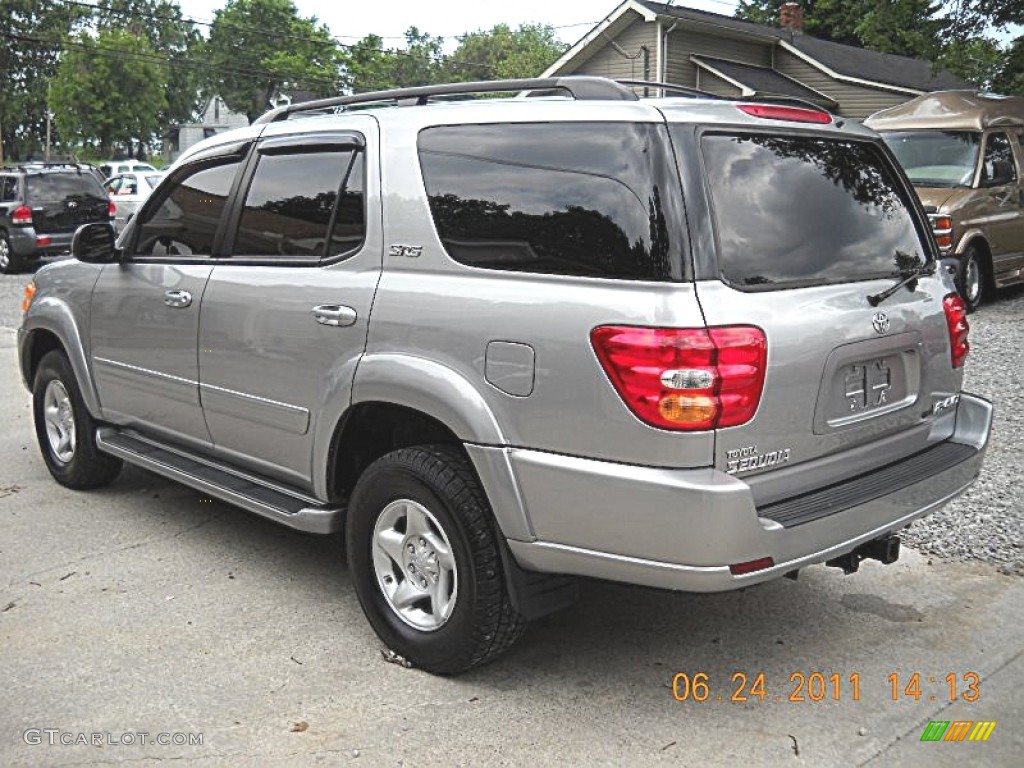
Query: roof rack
{"points": [[670, 87], [581, 88], [35, 165]]}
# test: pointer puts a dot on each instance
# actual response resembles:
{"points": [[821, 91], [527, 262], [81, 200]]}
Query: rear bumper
{"points": [[25, 242], [681, 529]]}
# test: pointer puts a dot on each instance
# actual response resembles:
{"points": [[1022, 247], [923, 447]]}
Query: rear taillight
{"points": [[791, 114], [685, 378], [21, 216], [956, 322], [111, 209]]}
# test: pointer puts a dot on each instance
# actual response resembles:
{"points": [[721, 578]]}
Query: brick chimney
{"points": [[791, 17]]}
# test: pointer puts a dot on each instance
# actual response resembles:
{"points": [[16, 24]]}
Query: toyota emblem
{"points": [[880, 322]]}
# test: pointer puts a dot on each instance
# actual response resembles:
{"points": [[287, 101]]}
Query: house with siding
{"points": [[215, 118], [643, 40]]}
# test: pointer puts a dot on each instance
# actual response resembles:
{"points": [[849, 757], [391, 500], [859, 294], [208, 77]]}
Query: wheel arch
{"points": [[975, 238], [51, 326]]}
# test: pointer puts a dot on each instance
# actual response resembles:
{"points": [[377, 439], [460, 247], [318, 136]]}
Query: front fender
{"points": [[966, 239], [49, 314]]}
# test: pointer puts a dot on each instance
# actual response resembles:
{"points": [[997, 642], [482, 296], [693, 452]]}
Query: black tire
{"points": [[85, 467], [10, 262], [972, 278], [482, 623]]}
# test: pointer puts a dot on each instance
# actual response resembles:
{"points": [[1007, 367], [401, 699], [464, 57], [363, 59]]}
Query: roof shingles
{"points": [[845, 60]]}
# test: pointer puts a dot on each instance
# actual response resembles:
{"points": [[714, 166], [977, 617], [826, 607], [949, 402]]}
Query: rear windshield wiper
{"points": [[907, 278]]}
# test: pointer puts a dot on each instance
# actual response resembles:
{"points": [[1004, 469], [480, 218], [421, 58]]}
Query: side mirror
{"points": [[94, 243]]}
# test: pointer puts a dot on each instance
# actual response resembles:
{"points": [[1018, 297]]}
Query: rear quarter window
{"points": [[792, 211], [582, 199]]}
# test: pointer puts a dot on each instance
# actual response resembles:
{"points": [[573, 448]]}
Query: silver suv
{"points": [[676, 342]]}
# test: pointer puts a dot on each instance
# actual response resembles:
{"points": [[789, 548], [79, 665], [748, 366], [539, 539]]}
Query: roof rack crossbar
{"points": [[581, 88]]}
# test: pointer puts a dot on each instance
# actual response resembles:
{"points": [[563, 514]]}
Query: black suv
{"points": [[41, 206]]}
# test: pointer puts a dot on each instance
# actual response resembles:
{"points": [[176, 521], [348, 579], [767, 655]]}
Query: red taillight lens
{"points": [[22, 215], [792, 114], [111, 209], [44, 240], [685, 378], [959, 328]]}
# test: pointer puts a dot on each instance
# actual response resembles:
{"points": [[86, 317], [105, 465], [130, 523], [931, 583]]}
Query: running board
{"points": [[266, 498]]}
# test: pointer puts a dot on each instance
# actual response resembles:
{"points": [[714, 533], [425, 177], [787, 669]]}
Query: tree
{"points": [[1002, 11], [978, 60], [109, 90], [372, 68], [257, 47], [503, 53], [904, 27], [1010, 78], [29, 54], [170, 36]]}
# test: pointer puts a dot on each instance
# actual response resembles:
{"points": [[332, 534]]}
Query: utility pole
{"points": [[49, 116], [1, 146]]}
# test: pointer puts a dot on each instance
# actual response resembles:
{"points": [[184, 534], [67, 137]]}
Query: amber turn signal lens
{"points": [[685, 409], [940, 223], [944, 241], [30, 293]]}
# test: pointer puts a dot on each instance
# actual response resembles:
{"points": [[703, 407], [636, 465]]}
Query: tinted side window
{"points": [[801, 211], [293, 200], [186, 220], [8, 188], [589, 199], [998, 165]]}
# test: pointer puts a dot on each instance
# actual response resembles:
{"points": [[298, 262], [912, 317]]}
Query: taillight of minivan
{"points": [[685, 379]]}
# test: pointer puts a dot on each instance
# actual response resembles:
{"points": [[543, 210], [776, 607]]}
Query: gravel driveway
{"points": [[987, 523]]}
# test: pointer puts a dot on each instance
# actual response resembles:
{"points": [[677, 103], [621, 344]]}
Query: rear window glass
{"points": [[587, 199], [47, 187], [793, 211]]}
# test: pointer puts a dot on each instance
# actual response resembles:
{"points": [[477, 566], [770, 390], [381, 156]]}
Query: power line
{"points": [[331, 41], [123, 54]]}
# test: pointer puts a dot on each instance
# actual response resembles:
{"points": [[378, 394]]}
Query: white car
{"points": [[115, 167], [129, 191]]}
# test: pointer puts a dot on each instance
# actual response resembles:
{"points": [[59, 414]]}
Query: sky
{"points": [[351, 21], [448, 18]]}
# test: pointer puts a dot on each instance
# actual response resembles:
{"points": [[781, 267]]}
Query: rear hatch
{"points": [[806, 228], [63, 201]]}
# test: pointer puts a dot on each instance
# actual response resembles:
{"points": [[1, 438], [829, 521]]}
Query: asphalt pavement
{"points": [[146, 613]]}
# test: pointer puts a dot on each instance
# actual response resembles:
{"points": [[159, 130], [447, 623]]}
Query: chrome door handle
{"points": [[334, 314], [177, 299]]}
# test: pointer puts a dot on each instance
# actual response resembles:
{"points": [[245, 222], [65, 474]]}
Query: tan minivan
{"points": [[964, 152]]}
